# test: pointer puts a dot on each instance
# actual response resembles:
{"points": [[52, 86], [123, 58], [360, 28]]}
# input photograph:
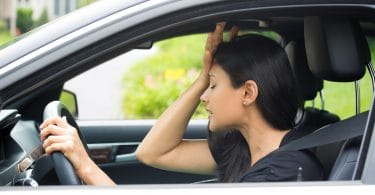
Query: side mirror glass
{"points": [[69, 99], [145, 45]]}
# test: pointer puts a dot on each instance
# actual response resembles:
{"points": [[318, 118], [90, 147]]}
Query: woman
{"points": [[249, 92]]}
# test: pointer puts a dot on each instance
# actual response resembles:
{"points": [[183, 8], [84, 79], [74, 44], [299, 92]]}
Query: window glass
{"points": [[339, 98], [141, 84], [99, 91], [366, 85], [56, 7], [67, 6]]}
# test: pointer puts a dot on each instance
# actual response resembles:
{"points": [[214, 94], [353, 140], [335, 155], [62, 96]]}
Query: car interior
{"points": [[321, 34], [322, 44]]}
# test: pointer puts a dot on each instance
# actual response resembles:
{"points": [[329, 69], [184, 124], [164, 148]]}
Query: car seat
{"points": [[310, 119], [337, 51]]}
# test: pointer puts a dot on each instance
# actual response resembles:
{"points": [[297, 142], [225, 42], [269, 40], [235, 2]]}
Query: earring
{"points": [[245, 103]]}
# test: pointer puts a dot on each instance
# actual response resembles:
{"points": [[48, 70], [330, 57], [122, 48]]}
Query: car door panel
{"points": [[112, 145]]}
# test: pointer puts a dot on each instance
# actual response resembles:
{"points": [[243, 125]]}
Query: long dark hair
{"points": [[258, 58]]}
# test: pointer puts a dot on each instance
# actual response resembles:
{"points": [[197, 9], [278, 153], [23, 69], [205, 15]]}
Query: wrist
{"points": [[86, 169], [91, 174]]}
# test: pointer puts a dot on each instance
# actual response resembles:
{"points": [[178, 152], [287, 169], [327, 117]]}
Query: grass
{"points": [[5, 37]]}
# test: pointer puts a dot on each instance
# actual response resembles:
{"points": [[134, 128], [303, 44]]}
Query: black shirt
{"points": [[300, 165], [285, 166]]}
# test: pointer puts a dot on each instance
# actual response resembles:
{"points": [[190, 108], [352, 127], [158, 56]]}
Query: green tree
{"points": [[24, 21], [82, 3]]}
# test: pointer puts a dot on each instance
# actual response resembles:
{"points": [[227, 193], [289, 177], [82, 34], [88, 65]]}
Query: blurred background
{"points": [[20, 16]]}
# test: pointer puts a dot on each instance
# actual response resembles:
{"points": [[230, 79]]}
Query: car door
{"points": [[112, 146]]}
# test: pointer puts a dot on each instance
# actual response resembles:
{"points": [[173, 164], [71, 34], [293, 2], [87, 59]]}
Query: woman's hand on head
{"points": [[212, 43], [58, 136]]}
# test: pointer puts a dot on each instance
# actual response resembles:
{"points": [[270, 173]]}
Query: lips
{"points": [[209, 111]]}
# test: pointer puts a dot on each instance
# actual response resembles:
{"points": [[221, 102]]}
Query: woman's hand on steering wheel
{"points": [[58, 135]]}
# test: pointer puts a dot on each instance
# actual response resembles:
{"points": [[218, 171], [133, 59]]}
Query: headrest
{"points": [[336, 48], [309, 84]]}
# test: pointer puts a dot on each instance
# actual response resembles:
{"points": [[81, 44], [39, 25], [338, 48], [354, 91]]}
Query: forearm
{"points": [[166, 135], [168, 131], [91, 174]]}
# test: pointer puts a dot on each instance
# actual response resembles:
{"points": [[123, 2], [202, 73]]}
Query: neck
{"points": [[261, 137]]}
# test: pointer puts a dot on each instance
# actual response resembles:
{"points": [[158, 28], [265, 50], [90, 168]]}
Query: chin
{"points": [[211, 127], [214, 127]]}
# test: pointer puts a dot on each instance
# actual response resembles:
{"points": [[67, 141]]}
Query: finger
{"points": [[54, 121], [217, 36], [51, 130], [54, 139], [233, 33], [55, 147], [209, 42], [45, 123], [220, 27], [207, 60]]}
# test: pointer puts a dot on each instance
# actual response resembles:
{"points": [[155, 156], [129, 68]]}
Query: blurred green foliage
{"points": [[153, 84], [3, 25], [24, 21], [5, 37], [43, 18], [82, 3]]}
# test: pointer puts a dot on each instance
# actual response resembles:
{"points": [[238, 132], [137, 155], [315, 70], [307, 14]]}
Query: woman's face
{"points": [[222, 101]]}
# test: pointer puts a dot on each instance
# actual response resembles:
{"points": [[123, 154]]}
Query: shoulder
{"points": [[285, 166]]}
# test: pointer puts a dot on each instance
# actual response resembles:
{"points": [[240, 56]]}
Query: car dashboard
{"points": [[20, 149]]}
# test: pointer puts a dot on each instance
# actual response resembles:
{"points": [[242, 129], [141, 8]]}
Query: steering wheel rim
{"points": [[63, 167]]}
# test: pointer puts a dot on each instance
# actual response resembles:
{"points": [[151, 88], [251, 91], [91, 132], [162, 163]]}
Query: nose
{"points": [[203, 97]]}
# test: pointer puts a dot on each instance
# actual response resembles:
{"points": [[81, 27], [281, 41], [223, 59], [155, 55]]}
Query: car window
{"points": [[141, 84], [340, 98], [99, 91]]}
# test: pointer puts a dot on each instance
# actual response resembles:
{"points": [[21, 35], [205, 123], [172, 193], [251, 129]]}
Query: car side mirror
{"points": [[144, 45], [69, 99]]}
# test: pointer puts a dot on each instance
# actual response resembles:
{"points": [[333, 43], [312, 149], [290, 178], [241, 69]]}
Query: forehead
{"points": [[216, 71]]}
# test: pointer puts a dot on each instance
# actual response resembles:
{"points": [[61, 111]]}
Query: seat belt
{"points": [[339, 131]]}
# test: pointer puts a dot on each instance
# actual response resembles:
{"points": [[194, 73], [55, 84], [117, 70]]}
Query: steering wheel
{"points": [[64, 169]]}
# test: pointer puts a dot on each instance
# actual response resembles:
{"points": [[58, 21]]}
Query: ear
{"points": [[250, 92]]}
